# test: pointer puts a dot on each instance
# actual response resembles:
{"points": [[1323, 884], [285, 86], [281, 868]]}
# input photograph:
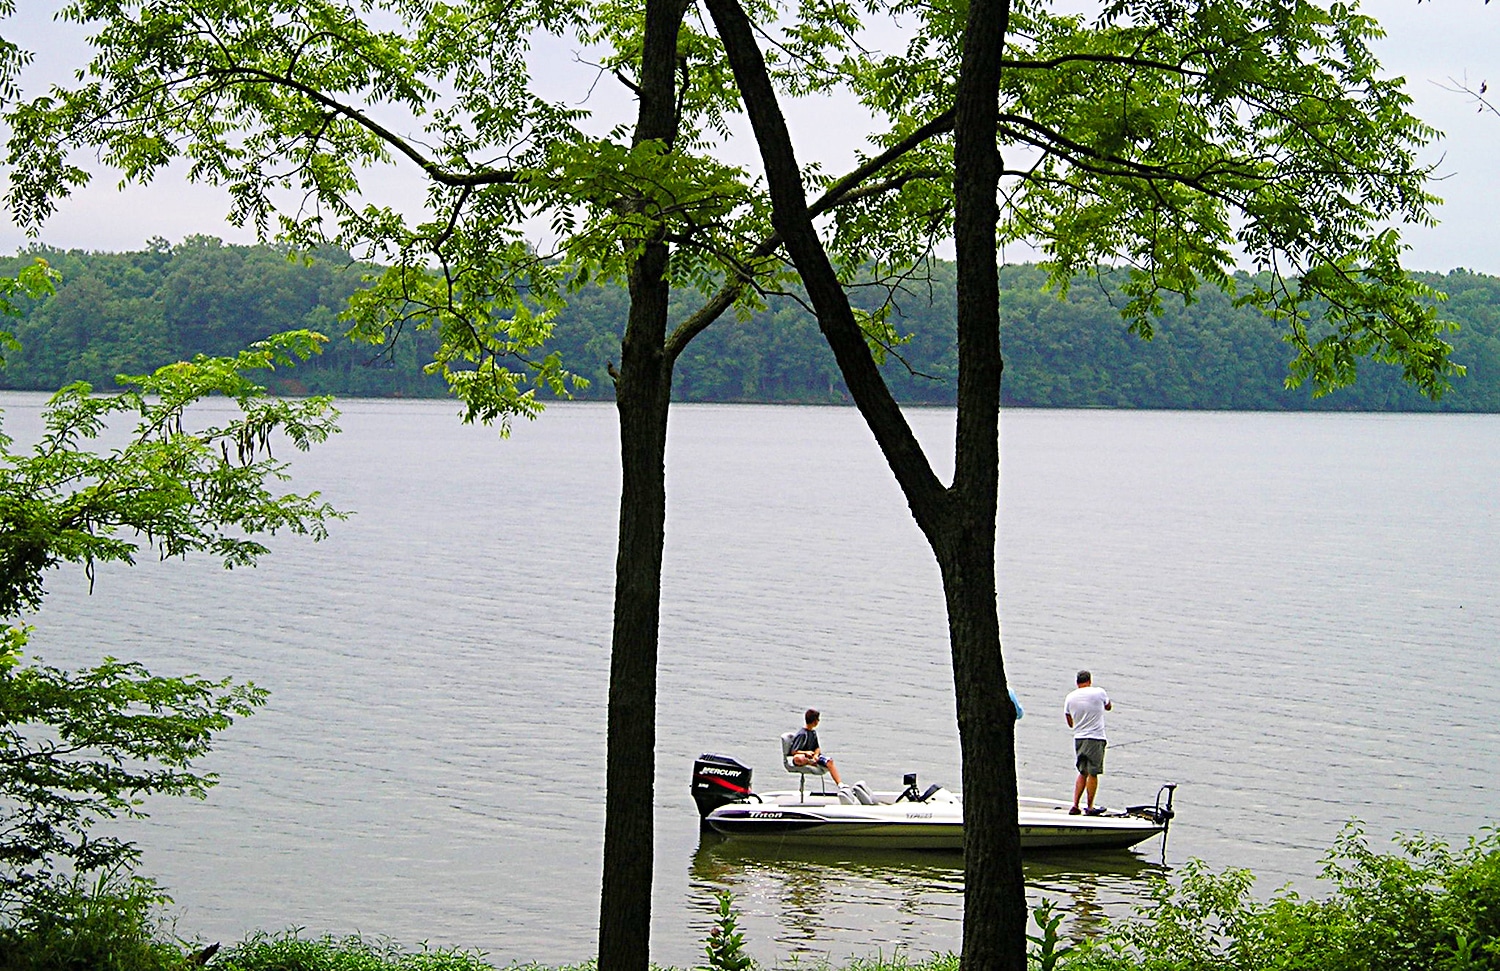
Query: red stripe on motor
{"points": [[727, 785]]}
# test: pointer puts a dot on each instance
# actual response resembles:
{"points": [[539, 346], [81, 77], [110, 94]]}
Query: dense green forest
{"points": [[127, 313]]}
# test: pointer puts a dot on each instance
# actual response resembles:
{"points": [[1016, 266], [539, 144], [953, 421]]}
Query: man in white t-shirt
{"points": [[1084, 709]]}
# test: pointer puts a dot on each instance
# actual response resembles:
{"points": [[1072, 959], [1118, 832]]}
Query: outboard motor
{"points": [[717, 781]]}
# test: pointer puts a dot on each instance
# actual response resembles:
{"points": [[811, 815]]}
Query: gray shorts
{"points": [[1090, 753]]}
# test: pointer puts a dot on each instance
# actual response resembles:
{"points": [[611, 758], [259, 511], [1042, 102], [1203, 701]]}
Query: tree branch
{"points": [[846, 189], [1119, 60], [436, 172], [793, 220]]}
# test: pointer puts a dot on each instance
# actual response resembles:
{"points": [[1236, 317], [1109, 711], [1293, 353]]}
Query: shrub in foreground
{"points": [[111, 924], [292, 952], [1426, 908]]}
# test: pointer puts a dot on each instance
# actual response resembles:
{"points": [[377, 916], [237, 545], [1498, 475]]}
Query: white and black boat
{"points": [[855, 816]]}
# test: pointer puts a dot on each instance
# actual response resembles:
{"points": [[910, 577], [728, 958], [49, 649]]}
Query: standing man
{"points": [[805, 750], [1084, 709]]}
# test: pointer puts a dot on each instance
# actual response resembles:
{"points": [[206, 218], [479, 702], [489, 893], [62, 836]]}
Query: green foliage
{"points": [[1177, 130], [725, 947], [1425, 907], [78, 748], [292, 952], [1166, 136], [132, 312], [265, 97], [112, 310], [1047, 947], [176, 490], [34, 282], [112, 923]]}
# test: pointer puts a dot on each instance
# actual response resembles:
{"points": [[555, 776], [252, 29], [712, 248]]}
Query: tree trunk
{"points": [[994, 885], [959, 521], [643, 393]]}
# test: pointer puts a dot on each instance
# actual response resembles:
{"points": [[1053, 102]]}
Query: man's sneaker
{"points": [[1074, 811], [1094, 811]]}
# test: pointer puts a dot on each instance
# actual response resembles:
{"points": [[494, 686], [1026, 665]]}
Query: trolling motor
{"points": [[911, 793], [1158, 813]]}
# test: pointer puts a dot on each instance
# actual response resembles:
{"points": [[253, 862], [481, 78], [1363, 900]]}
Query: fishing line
{"points": [[1152, 738]]}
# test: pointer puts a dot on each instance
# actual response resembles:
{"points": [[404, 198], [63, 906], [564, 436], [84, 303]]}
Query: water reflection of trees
{"points": [[837, 902]]}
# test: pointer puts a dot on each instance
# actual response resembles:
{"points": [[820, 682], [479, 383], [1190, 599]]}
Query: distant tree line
{"points": [[128, 313]]}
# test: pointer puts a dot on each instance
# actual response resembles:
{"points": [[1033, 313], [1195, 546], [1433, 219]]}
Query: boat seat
{"points": [[801, 771], [862, 794]]}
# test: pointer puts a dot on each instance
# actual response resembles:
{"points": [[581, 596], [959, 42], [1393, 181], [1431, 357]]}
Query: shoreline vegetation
{"points": [[1426, 906], [128, 313]]}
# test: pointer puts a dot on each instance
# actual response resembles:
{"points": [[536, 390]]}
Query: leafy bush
{"points": [[80, 747], [111, 924], [1425, 907]]}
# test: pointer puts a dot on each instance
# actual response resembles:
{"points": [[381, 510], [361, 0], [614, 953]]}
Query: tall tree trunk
{"points": [[643, 392], [994, 885], [959, 521]]}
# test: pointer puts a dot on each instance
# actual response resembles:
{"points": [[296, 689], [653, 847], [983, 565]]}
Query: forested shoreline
{"points": [[128, 313]]}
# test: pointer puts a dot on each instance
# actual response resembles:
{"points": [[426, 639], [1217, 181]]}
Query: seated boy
{"points": [[805, 750]]}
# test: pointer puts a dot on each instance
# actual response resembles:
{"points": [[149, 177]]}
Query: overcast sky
{"points": [[1434, 45]]}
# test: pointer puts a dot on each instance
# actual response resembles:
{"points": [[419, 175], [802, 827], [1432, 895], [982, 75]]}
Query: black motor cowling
{"points": [[718, 780]]}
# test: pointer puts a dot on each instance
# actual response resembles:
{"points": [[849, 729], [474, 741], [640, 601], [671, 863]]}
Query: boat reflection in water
{"points": [[1091, 887], [834, 903]]}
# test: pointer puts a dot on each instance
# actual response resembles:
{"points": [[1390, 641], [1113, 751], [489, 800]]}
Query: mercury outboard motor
{"points": [[718, 780]]}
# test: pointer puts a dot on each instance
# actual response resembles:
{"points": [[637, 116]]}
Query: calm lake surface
{"points": [[1295, 615]]}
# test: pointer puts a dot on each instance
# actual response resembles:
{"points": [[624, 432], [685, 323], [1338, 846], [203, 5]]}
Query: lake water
{"points": [[1295, 615]]}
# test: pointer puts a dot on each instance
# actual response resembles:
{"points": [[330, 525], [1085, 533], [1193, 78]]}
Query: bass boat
{"points": [[909, 819]]}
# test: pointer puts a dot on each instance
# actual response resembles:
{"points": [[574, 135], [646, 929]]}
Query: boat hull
{"points": [[790, 826], [822, 821], [1051, 836]]}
